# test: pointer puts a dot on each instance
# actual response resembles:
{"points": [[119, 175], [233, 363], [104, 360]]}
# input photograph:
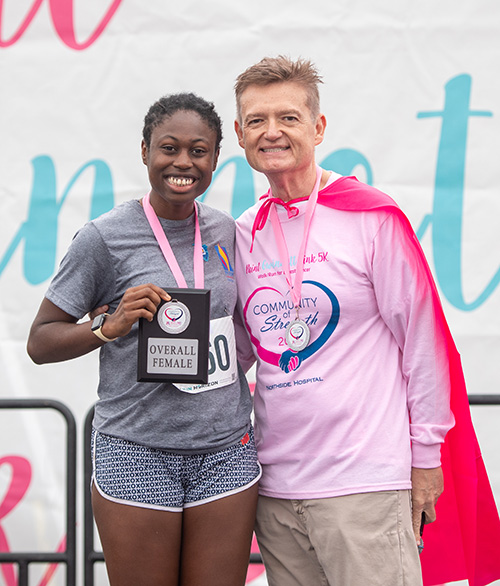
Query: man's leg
{"points": [[364, 539], [287, 552]]}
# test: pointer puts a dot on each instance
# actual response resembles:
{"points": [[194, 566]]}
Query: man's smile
{"points": [[274, 149]]}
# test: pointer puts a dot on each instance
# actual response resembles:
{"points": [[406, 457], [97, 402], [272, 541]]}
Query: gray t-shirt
{"points": [[116, 251]]}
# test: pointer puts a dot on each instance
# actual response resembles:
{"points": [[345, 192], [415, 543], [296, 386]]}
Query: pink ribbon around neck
{"points": [[295, 286], [168, 253], [263, 212]]}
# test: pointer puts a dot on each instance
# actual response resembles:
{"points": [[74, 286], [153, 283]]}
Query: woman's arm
{"points": [[56, 336]]}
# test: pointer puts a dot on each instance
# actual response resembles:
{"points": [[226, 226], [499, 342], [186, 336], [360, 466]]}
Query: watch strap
{"points": [[100, 335]]}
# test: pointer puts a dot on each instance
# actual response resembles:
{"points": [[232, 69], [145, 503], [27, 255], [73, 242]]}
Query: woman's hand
{"points": [[137, 302]]}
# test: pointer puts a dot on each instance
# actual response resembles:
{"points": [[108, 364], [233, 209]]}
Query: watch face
{"points": [[98, 321]]}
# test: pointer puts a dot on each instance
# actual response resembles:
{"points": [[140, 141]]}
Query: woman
{"points": [[175, 472]]}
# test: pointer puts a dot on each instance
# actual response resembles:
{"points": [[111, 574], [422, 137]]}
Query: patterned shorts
{"points": [[128, 473]]}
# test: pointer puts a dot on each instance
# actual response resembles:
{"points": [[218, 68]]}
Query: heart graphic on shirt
{"points": [[290, 360]]}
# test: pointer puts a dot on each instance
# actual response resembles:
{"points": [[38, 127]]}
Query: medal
{"points": [[297, 334]]}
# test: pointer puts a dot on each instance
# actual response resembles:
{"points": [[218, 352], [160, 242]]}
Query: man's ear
{"points": [[239, 134], [144, 152], [320, 129]]}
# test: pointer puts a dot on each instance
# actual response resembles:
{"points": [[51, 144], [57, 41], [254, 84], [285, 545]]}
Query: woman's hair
{"points": [[167, 106], [279, 69]]}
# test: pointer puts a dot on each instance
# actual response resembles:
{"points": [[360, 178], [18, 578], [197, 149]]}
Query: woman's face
{"points": [[180, 159]]}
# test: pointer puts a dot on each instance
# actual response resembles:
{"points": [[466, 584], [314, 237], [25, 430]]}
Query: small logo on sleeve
{"points": [[224, 259]]}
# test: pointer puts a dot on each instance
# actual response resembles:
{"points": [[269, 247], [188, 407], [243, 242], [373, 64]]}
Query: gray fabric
{"points": [[117, 251]]}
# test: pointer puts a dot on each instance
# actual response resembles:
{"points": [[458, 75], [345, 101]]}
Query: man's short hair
{"points": [[278, 69]]}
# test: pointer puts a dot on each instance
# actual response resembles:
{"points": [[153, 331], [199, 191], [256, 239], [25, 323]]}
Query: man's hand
{"points": [[427, 486]]}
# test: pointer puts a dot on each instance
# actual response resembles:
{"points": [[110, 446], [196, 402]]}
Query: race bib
{"points": [[222, 365]]}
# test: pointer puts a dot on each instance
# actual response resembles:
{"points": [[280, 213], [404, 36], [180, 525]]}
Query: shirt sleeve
{"points": [[244, 347], [407, 305], [85, 279]]}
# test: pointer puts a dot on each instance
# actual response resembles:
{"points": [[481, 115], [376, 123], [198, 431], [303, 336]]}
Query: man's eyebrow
{"points": [[251, 115], [289, 111], [284, 112]]}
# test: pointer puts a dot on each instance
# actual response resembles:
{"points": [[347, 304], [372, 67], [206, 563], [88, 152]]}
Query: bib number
{"points": [[222, 364]]}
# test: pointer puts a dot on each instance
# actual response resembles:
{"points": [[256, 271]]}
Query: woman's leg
{"points": [[141, 546], [216, 540]]}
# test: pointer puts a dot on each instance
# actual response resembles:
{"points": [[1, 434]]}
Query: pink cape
{"points": [[464, 541]]}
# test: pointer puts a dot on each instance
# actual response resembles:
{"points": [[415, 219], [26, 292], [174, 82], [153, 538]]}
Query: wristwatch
{"points": [[96, 327]]}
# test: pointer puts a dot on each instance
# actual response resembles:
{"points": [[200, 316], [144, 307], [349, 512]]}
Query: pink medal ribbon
{"points": [[168, 253], [297, 331]]}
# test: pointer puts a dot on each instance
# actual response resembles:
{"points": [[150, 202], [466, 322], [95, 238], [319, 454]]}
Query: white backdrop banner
{"points": [[411, 97]]}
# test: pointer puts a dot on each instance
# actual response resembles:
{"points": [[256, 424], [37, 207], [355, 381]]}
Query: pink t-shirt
{"points": [[369, 397]]}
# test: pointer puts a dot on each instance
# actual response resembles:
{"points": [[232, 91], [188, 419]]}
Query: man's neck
{"points": [[288, 186]]}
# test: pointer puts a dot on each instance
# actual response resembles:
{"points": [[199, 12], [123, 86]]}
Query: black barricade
{"points": [[68, 556]]}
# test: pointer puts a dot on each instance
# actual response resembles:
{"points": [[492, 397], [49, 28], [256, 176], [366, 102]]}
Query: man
{"points": [[352, 400]]}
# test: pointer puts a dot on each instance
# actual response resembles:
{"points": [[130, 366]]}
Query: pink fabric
{"points": [[464, 542], [263, 213]]}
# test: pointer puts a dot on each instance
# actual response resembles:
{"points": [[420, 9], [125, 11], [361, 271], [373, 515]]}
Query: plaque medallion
{"points": [[174, 317]]}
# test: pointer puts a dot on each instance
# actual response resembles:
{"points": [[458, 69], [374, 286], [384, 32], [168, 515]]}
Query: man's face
{"points": [[277, 130]]}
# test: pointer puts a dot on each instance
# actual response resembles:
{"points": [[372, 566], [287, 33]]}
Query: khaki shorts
{"points": [[355, 540]]}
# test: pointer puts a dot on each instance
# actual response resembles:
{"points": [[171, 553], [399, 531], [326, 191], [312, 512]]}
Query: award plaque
{"points": [[174, 346]]}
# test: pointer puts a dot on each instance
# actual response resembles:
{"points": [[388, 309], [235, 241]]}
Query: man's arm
{"points": [[407, 306]]}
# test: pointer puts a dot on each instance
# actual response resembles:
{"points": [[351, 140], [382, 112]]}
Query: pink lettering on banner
{"points": [[19, 484], [20, 481], [61, 12]]}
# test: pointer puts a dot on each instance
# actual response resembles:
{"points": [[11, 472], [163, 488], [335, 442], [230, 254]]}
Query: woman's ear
{"points": [[144, 152]]}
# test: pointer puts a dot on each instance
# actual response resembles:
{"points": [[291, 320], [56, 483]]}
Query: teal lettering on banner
{"points": [[243, 187], [344, 161], [39, 231], [447, 212]]}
